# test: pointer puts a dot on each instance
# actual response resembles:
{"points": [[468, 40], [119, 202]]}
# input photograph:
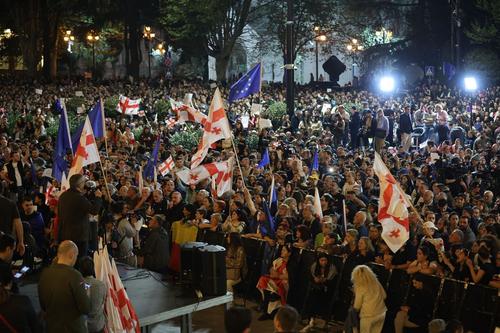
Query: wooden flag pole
{"points": [[104, 127], [345, 216]]}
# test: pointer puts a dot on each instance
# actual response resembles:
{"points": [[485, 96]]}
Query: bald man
{"points": [[62, 293]]}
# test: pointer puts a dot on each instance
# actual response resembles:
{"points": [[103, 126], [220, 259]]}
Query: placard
{"points": [[256, 109]]}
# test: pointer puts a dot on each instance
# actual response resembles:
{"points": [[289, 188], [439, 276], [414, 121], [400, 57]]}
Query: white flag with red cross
{"points": [[224, 180], [215, 128], [202, 172], [186, 112], [128, 106], [86, 153], [393, 207], [165, 167]]}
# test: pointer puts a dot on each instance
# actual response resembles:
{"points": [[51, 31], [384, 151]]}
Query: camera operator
{"points": [[124, 222], [73, 213]]}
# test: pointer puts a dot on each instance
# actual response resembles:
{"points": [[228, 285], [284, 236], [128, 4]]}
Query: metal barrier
{"points": [[476, 306]]}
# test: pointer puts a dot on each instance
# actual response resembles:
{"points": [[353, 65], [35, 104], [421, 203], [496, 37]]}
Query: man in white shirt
{"points": [[442, 129]]}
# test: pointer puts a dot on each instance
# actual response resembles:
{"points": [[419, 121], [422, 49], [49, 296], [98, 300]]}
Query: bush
{"points": [[162, 108], [187, 138], [110, 105], [73, 103], [252, 140], [275, 111]]}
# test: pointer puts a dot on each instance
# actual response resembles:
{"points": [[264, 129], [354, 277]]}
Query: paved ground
{"points": [[212, 321]]}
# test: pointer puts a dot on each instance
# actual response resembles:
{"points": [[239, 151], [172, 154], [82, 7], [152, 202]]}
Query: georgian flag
{"points": [[202, 172], [86, 153], [171, 122], [128, 106], [215, 128], [165, 167], [186, 113], [224, 180], [393, 207]]}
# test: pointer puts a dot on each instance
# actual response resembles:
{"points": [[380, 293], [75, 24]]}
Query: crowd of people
{"points": [[442, 145]]}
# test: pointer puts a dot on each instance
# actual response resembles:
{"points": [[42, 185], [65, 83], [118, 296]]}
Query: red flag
{"points": [[186, 112], [393, 207], [215, 128]]}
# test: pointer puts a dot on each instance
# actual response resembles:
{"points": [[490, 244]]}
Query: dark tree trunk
{"points": [[134, 37]]}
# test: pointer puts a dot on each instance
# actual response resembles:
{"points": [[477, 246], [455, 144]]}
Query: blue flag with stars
{"points": [[248, 84], [265, 160], [315, 163]]}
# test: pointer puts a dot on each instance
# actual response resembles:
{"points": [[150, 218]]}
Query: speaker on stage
{"points": [[212, 273], [189, 260]]}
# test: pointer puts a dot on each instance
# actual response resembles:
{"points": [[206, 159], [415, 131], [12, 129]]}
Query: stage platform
{"points": [[154, 300]]}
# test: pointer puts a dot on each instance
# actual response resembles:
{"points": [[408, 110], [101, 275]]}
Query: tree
{"points": [[216, 24], [484, 30]]}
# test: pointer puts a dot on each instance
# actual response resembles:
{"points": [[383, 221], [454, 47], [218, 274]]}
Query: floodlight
{"points": [[470, 83], [387, 84]]}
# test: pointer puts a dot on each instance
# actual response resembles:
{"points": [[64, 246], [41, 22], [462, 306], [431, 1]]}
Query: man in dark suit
{"points": [[405, 128], [73, 213], [62, 293], [354, 127], [155, 253]]}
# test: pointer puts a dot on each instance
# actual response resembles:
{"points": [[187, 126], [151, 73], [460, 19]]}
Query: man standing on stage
{"points": [[73, 213]]}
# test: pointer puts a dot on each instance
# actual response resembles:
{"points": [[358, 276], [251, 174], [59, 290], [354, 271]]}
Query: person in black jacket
{"points": [[405, 128], [16, 311], [155, 253], [73, 213], [418, 311], [354, 127]]}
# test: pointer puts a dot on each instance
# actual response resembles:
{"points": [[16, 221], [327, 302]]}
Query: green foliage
{"points": [[73, 103], [137, 132], [110, 104], [275, 111], [252, 141], [485, 29], [162, 108], [485, 62], [187, 138]]}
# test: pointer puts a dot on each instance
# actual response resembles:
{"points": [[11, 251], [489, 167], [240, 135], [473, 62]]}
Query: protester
{"points": [[155, 252], [237, 320], [65, 309], [96, 291], [286, 320], [369, 296], [73, 213]]}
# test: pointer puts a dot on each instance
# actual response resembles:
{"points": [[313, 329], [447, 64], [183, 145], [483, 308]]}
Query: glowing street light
{"points": [[93, 38], [318, 37], [354, 47], [149, 35]]}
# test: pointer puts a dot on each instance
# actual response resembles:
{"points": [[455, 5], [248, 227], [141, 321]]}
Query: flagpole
{"points": [[105, 179], [104, 127], [345, 216]]}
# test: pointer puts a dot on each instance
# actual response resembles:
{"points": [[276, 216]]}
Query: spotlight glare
{"points": [[470, 83], [387, 84]]}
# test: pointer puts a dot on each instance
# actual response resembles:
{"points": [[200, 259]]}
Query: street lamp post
{"points": [[69, 38], [148, 36], [318, 38], [93, 38], [354, 47]]}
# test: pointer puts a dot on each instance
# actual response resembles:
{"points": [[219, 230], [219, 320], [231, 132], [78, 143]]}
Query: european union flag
{"points": [[149, 169], [248, 84], [265, 160], [270, 220], [315, 163], [96, 117], [449, 70], [63, 143]]}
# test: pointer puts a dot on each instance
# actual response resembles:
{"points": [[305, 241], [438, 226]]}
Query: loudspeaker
{"points": [[211, 260], [189, 260], [334, 67]]}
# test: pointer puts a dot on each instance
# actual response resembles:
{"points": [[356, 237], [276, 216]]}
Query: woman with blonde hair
{"points": [[369, 296]]}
